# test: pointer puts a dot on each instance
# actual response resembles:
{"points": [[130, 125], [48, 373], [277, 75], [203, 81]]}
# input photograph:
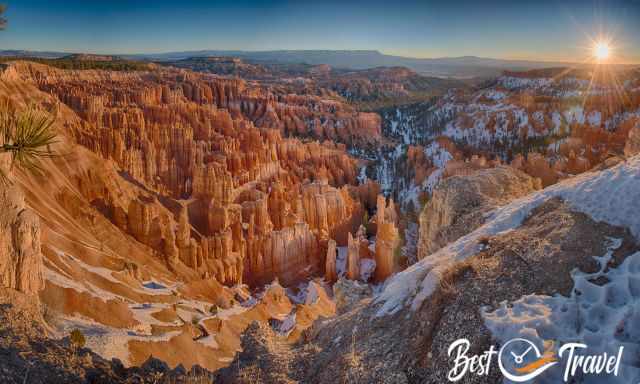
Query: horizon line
{"points": [[98, 53]]}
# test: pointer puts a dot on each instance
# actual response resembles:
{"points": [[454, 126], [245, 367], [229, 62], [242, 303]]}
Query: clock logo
{"points": [[524, 360]]}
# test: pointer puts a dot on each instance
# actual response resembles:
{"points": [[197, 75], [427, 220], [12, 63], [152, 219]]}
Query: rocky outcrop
{"points": [[348, 293], [353, 258], [412, 345], [459, 203], [387, 239], [220, 190], [20, 254], [330, 273], [633, 142], [58, 361]]}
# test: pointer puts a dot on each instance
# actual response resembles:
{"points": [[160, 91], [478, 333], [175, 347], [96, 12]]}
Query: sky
{"points": [[549, 30]]}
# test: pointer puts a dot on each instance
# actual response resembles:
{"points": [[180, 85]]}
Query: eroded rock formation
{"points": [[633, 143], [387, 239], [221, 191], [20, 254], [459, 203]]}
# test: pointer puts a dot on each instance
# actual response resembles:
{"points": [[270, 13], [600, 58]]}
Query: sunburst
{"points": [[601, 50]]}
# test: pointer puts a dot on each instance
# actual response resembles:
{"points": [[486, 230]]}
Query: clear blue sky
{"points": [[545, 30]]}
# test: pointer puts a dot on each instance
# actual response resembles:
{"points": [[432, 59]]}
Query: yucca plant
{"points": [[27, 135]]}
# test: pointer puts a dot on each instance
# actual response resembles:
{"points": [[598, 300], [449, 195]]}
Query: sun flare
{"points": [[601, 50]]}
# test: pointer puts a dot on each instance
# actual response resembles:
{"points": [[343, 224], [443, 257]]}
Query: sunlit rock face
{"points": [[633, 143], [173, 198], [20, 254], [459, 204], [387, 239], [255, 206]]}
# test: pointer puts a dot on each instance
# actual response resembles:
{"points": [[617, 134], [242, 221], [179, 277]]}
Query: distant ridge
{"points": [[459, 67]]}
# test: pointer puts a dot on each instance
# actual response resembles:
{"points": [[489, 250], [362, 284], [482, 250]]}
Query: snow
{"points": [[153, 285], [100, 271], [285, 326], [494, 95], [604, 317], [595, 118], [107, 341], [299, 296], [556, 118], [312, 294], [574, 114], [224, 314], [143, 314], [433, 179], [341, 261], [209, 341], [410, 247], [367, 267], [362, 176], [519, 82], [611, 196], [62, 280], [307, 293], [438, 155]]}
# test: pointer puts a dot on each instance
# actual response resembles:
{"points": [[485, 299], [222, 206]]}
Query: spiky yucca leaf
{"points": [[27, 136]]}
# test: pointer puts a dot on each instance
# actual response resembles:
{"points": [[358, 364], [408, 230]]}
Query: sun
{"points": [[601, 50]]}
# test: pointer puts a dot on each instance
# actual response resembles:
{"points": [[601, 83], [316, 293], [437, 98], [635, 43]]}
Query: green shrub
{"points": [[77, 339]]}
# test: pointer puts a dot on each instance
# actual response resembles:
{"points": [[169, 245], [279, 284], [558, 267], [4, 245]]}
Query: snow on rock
{"points": [[611, 196], [341, 261], [367, 267], [312, 293], [439, 156], [494, 95], [107, 341], [209, 341], [410, 247], [604, 317], [298, 296], [285, 326], [595, 118], [433, 179], [510, 82], [574, 114]]}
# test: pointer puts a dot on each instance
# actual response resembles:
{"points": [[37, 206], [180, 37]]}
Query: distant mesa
{"points": [[216, 59], [91, 57]]}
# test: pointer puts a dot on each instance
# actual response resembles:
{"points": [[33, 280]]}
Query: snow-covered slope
{"points": [[604, 317], [612, 196], [566, 119]]}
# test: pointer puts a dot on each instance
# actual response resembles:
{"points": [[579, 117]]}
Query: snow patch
{"points": [[611, 196], [367, 267], [604, 317]]}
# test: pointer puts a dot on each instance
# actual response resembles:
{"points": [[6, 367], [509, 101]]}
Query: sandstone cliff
{"points": [[20, 254], [166, 205], [459, 203], [633, 143], [222, 192]]}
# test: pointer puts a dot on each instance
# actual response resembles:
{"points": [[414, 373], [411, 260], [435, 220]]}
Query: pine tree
{"points": [[27, 135]]}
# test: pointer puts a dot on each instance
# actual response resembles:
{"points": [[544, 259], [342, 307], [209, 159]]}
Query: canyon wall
{"points": [[459, 204], [221, 191], [20, 253]]}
